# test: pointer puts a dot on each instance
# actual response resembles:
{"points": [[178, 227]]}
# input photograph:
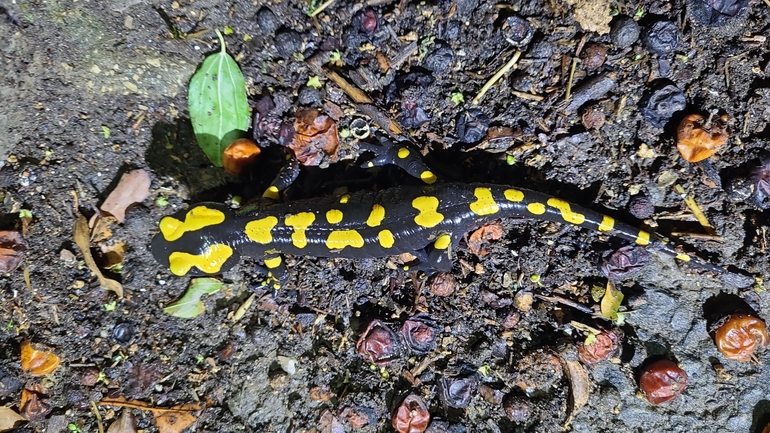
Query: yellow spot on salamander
{"points": [[385, 237], [272, 193], [429, 215], [260, 231], [195, 219], [334, 216], [683, 257], [514, 195], [442, 242], [428, 177], [566, 211], [344, 198], [607, 224], [209, 261], [273, 262], [300, 222], [643, 238], [485, 204], [376, 216], [403, 152], [536, 208], [339, 239]]}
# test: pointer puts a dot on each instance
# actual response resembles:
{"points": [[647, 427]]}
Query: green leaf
{"points": [[611, 302], [219, 111], [190, 305]]}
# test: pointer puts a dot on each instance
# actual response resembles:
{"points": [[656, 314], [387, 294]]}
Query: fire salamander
{"points": [[427, 221]]}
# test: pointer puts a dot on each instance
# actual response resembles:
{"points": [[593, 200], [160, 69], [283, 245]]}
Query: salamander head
{"points": [[195, 241]]}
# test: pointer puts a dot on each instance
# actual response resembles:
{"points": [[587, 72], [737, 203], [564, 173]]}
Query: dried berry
{"points": [[472, 125], [517, 31], [663, 37], [661, 381], [695, 141], [439, 61], [640, 207], [266, 20], [492, 395], [378, 344], [538, 371], [761, 176], [412, 115], [411, 416], [456, 393], [665, 100], [599, 347], [625, 262], [740, 336], [419, 334], [287, 42], [443, 284], [716, 12], [315, 137], [593, 118], [367, 22], [517, 409], [593, 56], [625, 32], [240, 154], [33, 405], [123, 332]]}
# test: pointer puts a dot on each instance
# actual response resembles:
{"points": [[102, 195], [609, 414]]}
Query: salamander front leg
{"points": [[435, 258], [401, 156], [275, 270]]}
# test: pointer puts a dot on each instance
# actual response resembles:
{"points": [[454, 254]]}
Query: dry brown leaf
{"points": [[82, 240], [176, 418], [133, 187], [101, 227], [477, 239], [37, 362], [125, 424], [695, 141], [315, 136], [33, 406], [8, 419], [580, 386], [112, 254]]}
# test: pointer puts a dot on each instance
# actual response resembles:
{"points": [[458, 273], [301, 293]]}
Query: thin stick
{"points": [[571, 76], [695, 209], [496, 77], [320, 9]]}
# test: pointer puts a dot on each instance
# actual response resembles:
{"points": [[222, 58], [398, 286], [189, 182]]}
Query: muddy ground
{"points": [[91, 89]]}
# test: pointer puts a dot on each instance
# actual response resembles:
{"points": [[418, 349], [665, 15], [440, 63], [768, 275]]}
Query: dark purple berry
{"points": [[624, 33], [472, 125], [716, 12], [517, 31], [640, 207], [439, 61], [663, 37], [625, 262], [665, 100], [456, 393]]}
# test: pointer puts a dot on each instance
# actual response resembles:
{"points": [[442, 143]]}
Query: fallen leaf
{"points": [[8, 419], [315, 136], [81, 237], [579, 384], [125, 424], [176, 418], [488, 232], [611, 301], [37, 362], [33, 406], [101, 227], [12, 248], [695, 141], [112, 254], [190, 305], [133, 187]]}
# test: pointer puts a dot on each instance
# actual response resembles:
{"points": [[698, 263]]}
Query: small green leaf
{"points": [[228, 30], [190, 305], [111, 306], [25, 213], [457, 98], [106, 131], [219, 111], [314, 82], [161, 201], [344, 133]]}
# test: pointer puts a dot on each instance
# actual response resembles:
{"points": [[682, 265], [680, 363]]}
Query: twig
{"points": [[525, 95], [567, 302], [571, 76], [695, 209], [98, 416], [485, 88], [321, 7]]}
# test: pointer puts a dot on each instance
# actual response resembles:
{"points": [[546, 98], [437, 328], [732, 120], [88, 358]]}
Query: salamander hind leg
{"points": [[434, 258], [403, 157]]}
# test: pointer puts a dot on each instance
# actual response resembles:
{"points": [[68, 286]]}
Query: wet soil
{"points": [[93, 89]]}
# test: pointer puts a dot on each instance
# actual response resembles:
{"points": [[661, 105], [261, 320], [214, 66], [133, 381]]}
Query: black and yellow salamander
{"points": [[425, 220]]}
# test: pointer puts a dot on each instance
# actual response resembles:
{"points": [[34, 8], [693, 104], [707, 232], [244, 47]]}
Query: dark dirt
{"points": [[71, 68]]}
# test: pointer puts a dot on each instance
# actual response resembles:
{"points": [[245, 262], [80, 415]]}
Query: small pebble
{"points": [[287, 42]]}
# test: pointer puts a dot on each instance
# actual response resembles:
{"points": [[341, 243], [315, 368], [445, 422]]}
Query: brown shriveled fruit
{"points": [[603, 346], [240, 154], [740, 336], [411, 416], [661, 381], [695, 141]]}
